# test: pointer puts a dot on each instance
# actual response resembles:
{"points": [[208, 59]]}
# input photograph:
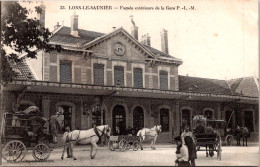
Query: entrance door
{"points": [[186, 116], [138, 119], [249, 121], [65, 119], [119, 122]]}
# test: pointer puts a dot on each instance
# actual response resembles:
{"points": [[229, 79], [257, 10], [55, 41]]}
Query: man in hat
{"points": [[55, 126], [200, 128], [182, 153]]}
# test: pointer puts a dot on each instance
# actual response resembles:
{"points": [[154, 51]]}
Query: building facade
{"points": [[116, 78]]}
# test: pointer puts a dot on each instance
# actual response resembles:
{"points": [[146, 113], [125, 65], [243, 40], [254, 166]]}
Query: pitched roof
{"points": [[204, 85], [22, 70], [63, 36], [247, 86]]}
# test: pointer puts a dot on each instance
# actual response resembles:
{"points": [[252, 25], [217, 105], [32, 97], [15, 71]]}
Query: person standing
{"points": [[182, 153], [191, 149], [55, 126]]}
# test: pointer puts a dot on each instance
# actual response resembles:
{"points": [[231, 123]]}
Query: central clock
{"points": [[119, 49]]}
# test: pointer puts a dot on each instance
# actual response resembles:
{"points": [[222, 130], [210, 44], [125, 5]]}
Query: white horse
{"points": [[90, 136], [149, 134]]}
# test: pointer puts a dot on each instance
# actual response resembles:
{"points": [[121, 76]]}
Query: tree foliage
{"points": [[21, 37]]}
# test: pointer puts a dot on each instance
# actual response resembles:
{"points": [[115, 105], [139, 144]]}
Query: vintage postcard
{"points": [[129, 83]]}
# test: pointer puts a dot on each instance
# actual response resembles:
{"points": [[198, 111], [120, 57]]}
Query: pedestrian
{"points": [[55, 126], [191, 149], [182, 153], [67, 144]]}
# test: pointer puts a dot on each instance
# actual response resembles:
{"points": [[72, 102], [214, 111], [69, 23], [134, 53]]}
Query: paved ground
{"points": [[164, 155]]}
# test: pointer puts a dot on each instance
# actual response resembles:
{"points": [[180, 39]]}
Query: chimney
{"points": [[146, 39], [41, 14], [74, 25], [164, 41], [57, 26], [134, 29], [114, 28]]}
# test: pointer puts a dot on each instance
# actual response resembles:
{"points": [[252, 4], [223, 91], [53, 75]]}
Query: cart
{"points": [[124, 142], [17, 138], [213, 141]]}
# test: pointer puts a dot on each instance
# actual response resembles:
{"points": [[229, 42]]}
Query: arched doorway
{"points": [[186, 115], [249, 120], [138, 119], [65, 118], [119, 120]]}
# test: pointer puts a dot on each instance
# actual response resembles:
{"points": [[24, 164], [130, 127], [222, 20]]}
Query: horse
{"points": [[84, 137], [243, 133], [149, 134], [209, 130]]}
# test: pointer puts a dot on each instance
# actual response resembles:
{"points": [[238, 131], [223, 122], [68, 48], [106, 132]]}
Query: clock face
{"points": [[119, 49]]}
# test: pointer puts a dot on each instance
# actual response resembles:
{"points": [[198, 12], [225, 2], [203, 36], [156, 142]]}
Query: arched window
{"points": [[249, 120], [208, 114], [186, 116], [138, 118], [119, 120], [96, 115], [164, 119]]}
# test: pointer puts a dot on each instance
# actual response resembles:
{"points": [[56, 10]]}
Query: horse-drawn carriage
{"points": [[123, 142], [18, 136], [210, 138]]}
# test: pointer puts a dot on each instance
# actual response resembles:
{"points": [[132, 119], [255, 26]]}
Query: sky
{"points": [[218, 40]]}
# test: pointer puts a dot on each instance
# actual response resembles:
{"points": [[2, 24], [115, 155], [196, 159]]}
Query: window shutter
{"points": [[163, 80], [98, 74], [138, 78], [119, 75], [65, 72]]}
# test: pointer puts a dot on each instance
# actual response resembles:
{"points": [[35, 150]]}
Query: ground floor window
{"points": [[138, 119], [186, 117], [164, 119], [96, 115], [249, 120], [208, 114]]}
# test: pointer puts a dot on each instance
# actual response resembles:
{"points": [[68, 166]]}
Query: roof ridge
{"points": [[203, 78]]}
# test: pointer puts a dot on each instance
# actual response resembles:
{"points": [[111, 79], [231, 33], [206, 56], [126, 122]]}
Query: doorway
{"points": [[119, 120]]}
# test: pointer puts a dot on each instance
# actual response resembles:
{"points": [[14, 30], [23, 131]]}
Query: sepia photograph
{"points": [[129, 83]]}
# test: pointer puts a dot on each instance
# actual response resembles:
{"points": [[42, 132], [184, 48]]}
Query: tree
{"points": [[21, 37]]}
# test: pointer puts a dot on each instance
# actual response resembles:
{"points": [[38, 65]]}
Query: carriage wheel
{"points": [[128, 146], [136, 145], [219, 150], [41, 152], [229, 140], [122, 145], [110, 146], [14, 151]]}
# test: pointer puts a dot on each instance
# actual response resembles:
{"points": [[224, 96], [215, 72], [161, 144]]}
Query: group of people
{"points": [[186, 149]]}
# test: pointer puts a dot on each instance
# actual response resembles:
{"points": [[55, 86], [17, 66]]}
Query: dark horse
{"points": [[243, 133], [210, 131]]}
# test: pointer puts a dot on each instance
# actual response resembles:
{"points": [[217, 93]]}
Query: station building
{"points": [[117, 77]]}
